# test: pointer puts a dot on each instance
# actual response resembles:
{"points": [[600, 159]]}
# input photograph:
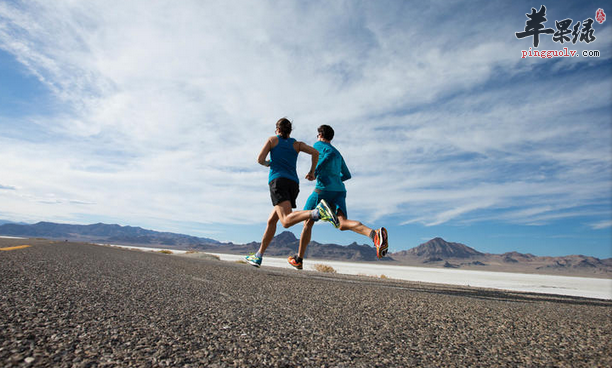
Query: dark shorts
{"points": [[283, 189], [336, 200]]}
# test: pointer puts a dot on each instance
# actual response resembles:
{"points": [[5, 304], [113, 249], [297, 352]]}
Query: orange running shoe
{"points": [[381, 242], [293, 261]]}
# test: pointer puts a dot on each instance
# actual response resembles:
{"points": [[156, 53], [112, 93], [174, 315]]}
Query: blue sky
{"points": [[152, 114]]}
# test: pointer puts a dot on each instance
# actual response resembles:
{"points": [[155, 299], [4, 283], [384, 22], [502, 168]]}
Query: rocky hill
{"points": [[439, 249]]}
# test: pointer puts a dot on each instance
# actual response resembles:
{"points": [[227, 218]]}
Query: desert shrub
{"points": [[210, 256], [165, 251], [324, 268]]}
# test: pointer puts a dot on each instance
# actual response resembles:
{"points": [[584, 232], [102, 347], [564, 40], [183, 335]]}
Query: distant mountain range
{"points": [[440, 253], [435, 253], [285, 244], [103, 233]]}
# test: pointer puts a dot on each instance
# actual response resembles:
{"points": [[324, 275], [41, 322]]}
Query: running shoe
{"points": [[381, 242], [292, 261], [326, 213], [253, 260]]}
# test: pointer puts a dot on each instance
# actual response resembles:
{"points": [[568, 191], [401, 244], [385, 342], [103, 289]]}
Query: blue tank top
{"points": [[283, 160]]}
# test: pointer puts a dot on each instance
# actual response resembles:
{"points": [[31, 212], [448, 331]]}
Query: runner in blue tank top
{"points": [[331, 172], [284, 185]]}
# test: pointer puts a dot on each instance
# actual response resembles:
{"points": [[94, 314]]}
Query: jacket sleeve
{"points": [[325, 156]]}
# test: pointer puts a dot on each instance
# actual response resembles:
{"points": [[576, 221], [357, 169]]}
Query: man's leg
{"points": [[356, 226], [282, 212], [289, 218], [296, 260], [305, 237], [269, 233], [311, 204], [379, 237]]}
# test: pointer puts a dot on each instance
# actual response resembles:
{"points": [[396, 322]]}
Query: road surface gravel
{"points": [[81, 305]]}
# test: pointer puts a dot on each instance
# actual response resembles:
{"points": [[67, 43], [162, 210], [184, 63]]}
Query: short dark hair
{"points": [[284, 127], [326, 131]]}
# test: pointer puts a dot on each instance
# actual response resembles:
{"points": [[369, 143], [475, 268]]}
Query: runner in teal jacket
{"points": [[331, 173]]}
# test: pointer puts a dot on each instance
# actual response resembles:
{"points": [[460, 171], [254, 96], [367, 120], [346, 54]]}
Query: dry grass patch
{"points": [[324, 268], [207, 256], [165, 251], [211, 256], [201, 255]]}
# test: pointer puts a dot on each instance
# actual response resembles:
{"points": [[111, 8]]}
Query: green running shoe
{"points": [[253, 260], [326, 213]]}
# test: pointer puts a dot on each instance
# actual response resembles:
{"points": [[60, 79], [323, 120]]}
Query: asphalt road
{"points": [[79, 305]]}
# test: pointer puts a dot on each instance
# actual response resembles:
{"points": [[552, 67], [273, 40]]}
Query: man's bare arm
{"points": [[314, 154], [261, 159]]}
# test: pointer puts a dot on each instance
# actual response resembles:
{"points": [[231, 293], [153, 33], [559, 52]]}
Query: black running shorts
{"points": [[283, 189]]}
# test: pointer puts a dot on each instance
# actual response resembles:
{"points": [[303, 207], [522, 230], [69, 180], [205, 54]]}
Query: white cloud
{"points": [[601, 225], [165, 107]]}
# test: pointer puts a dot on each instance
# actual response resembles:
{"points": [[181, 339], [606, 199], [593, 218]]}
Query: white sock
{"points": [[314, 215]]}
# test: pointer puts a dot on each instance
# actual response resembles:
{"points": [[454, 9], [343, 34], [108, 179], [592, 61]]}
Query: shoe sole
{"points": [[384, 245], [334, 218], [294, 266]]}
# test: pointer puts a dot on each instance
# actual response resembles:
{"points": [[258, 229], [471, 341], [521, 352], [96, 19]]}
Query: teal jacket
{"points": [[331, 169]]}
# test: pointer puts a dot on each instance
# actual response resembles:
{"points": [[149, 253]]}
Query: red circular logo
{"points": [[600, 16]]}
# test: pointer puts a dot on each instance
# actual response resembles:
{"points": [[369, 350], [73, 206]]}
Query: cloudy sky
{"points": [[152, 113]]}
